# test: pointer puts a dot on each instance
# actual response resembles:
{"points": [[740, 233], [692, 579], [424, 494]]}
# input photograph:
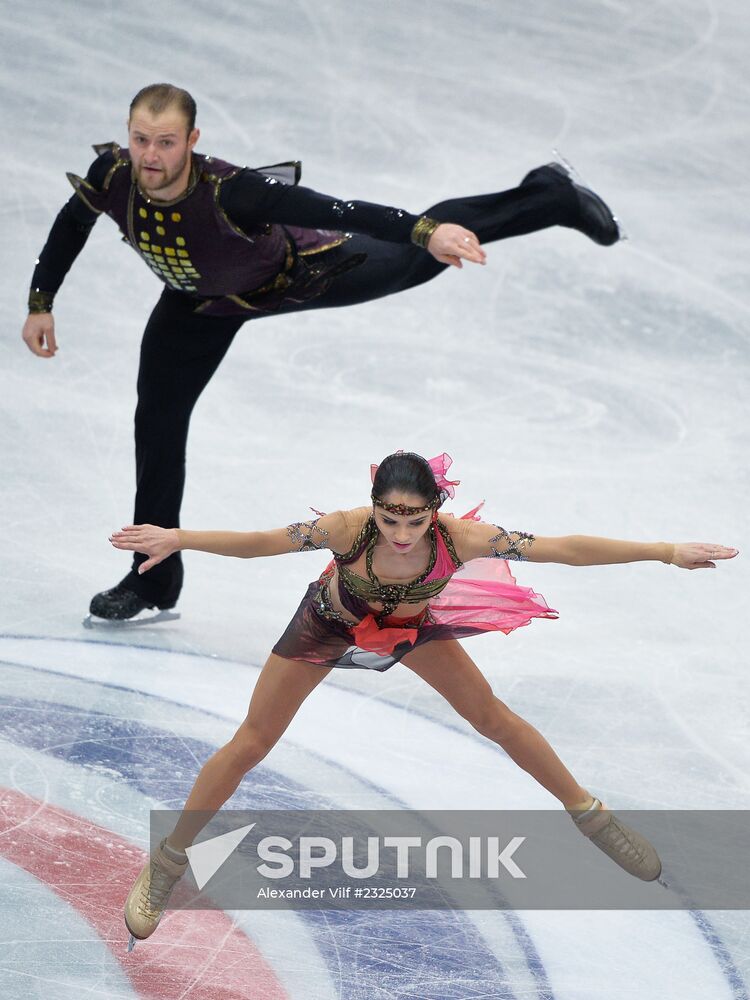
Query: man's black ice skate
{"points": [[133, 594], [118, 604], [595, 218]]}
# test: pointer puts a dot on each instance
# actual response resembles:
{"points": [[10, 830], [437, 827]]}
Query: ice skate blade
{"points": [[131, 943], [577, 179], [93, 622], [570, 169]]}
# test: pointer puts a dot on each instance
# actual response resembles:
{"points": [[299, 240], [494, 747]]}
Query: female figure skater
{"points": [[392, 588]]}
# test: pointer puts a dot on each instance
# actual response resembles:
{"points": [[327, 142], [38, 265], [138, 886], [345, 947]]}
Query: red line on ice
{"points": [[196, 955]]}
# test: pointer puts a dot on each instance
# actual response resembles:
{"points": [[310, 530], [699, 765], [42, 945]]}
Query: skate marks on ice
{"points": [[119, 754], [85, 757], [50, 950], [90, 868]]}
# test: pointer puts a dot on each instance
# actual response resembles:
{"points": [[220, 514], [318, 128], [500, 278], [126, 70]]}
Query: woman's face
{"points": [[402, 531]]}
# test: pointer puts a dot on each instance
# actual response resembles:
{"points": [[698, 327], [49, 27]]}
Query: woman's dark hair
{"points": [[406, 472]]}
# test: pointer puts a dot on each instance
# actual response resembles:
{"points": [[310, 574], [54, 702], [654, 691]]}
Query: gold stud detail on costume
{"points": [[161, 230], [159, 216], [176, 217], [169, 251], [180, 241], [143, 213]]}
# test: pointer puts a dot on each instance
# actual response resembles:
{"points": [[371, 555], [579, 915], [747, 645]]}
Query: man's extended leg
{"points": [[547, 196], [179, 354]]}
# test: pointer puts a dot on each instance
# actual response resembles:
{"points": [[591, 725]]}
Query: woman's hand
{"points": [[450, 244], [156, 543], [700, 555]]}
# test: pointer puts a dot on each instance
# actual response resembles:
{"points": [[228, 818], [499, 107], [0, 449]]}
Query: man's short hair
{"points": [[157, 97]]}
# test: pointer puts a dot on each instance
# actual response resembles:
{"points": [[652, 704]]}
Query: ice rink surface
{"points": [[579, 390]]}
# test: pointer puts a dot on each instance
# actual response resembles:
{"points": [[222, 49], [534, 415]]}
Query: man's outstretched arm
{"points": [[250, 199]]}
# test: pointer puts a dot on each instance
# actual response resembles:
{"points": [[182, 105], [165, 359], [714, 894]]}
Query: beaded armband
{"points": [[303, 534], [511, 544], [39, 301], [422, 230]]}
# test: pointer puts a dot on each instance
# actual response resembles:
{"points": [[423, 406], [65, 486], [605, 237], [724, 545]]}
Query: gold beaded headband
{"points": [[401, 508]]}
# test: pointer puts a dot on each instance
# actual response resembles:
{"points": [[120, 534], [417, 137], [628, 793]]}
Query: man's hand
{"points": [[39, 334], [451, 244]]}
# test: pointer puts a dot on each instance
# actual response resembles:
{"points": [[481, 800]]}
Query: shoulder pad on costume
{"points": [[288, 173], [106, 147], [95, 200], [214, 170]]}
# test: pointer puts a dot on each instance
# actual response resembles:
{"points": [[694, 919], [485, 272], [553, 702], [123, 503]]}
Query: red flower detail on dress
{"points": [[368, 636]]}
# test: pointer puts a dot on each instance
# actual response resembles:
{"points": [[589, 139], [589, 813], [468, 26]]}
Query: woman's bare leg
{"points": [[452, 673], [280, 690]]}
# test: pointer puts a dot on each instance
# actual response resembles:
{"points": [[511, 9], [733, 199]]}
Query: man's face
{"points": [[160, 148]]}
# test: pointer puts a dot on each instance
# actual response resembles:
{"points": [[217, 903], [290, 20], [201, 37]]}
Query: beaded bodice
{"points": [[371, 590]]}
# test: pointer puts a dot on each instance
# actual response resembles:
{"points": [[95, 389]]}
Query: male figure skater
{"points": [[232, 244]]}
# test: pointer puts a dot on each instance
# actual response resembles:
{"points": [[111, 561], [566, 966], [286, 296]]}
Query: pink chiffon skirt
{"points": [[482, 596]]}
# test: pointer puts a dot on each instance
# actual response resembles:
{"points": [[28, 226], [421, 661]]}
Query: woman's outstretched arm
{"points": [[586, 550], [479, 540], [325, 532]]}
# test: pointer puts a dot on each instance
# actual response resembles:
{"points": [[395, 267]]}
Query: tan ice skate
{"points": [[150, 894], [628, 849]]}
